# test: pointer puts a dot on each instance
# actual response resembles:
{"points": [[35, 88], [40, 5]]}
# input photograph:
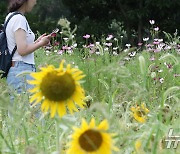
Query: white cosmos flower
{"points": [[146, 39]]}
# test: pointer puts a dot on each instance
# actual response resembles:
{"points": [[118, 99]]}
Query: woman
{"points": [[19, 33]]}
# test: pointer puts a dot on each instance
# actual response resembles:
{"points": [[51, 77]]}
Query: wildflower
{"points": [[167, 47], [176, 75], [106, 49], [152, 58], [156, 29], [169, 66], [66, 48], [160, 40], [74, 45], [153, 75], [127, 58], [108, 44], [157, 50], [97, 53], [146, 39], [86, 36], [160, 71], [115, 53], [140, 44], [91, 45], [58, 88], [65, 39], [139, 113], [132, 54], [152, 22], [70, 51], [161, 80], [156, 42], [60, 52], [128, 45], [115, 48], [109, 37], [91, 139]]}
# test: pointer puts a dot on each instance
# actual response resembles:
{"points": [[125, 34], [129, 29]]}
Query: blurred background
{"points": [[127, 18]]}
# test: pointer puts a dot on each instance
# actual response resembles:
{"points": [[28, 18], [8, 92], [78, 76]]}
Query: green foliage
{"points": [[3, 11], [97, 17]]}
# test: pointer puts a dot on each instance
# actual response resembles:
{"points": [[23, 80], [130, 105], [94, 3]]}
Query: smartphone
{"points": [[54, 31]]}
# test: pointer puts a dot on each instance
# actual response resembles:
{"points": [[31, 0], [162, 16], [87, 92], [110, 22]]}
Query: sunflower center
{"points": [[140, 113], [57, 87], [90, 140]]}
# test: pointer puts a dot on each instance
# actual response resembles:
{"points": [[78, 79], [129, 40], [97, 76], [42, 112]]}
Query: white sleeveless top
{"points": [[19, 22]]}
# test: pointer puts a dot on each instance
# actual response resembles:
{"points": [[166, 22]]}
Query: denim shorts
{"points": [[19, 82]]}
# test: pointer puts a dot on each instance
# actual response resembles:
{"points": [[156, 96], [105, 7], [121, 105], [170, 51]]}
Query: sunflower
{"points": [[140, 113], [58, 89], [91, 139]]}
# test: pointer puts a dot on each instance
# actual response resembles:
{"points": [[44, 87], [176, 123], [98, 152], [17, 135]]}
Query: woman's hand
{"points": [[44, 40], [40, 37]]}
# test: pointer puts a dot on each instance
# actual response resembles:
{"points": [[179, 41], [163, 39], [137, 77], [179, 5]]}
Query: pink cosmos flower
{"points": [[108, 44], [60, 52], [109, 37], [140, 44], [152, 59], [156, 42], [157, 50], [86, 36], [156, 29]]}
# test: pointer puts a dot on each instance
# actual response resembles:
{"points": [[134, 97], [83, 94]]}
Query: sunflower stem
{"points": [[57, 135]]}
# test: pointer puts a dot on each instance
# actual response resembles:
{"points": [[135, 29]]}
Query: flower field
{"points": [[96, 97]]}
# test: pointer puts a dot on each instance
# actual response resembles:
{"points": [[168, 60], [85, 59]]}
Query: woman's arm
{"points": [[23, 48]]}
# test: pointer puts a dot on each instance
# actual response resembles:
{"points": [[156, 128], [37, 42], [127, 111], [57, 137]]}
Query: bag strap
{"points": [[5, 25]]}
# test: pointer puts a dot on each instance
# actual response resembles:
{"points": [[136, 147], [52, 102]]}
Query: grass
{"points": [[115, 85]]}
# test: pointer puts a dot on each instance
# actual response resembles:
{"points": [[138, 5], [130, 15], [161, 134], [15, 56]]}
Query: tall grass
{"points": [[115, 85]]}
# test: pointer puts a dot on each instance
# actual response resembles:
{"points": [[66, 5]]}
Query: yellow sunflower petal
{"points": [[133, 109], [78, 73], [61, 109], [33, 82], [61, 65], [84, 123], [92, 123], [71, 106], [35, 96], [53, 107], [79, 77], [68, 68], [103, 125], [45, 106], [36, 89]]}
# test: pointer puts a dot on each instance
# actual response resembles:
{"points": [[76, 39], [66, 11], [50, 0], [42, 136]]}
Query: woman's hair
{"points": [[14, 5]]}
